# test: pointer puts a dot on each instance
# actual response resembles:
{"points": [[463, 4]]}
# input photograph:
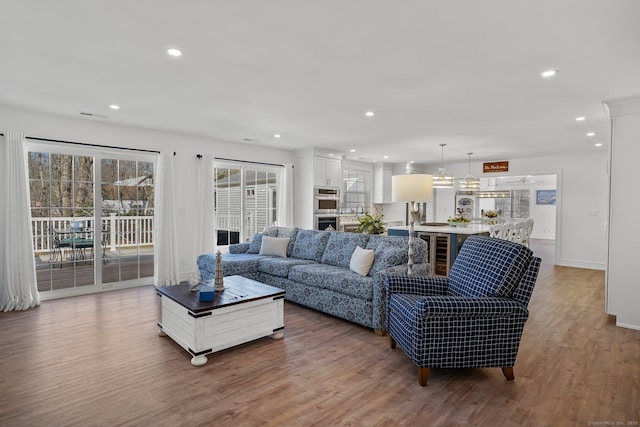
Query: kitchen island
{"points": [[444, 242]]}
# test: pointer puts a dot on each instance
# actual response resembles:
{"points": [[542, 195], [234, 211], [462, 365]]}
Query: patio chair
{"points": [[472, 319], [56, 247]]}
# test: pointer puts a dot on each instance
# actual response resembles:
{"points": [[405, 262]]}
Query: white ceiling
{"points": [[465, 73]]}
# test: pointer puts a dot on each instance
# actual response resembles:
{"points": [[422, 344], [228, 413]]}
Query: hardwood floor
{"points": [[96, 360]]}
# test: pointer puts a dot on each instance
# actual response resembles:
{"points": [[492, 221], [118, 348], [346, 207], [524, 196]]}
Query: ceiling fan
{"points": [[523, 180]]}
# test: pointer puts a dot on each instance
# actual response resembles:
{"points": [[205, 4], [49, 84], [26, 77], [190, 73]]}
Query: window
{"points": [[516, 206], [356, 191], [245, 200]]}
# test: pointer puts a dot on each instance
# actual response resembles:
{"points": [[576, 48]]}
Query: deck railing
{"points": [[117, 231]]}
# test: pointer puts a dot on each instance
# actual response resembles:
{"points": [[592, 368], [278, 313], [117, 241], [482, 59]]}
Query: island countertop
{"points": [[444, 242], [470, 229]]}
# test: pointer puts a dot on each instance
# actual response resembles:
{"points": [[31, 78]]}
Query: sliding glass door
{"points": [[78, 248], [63, 219], [245, 200], [127, 218]]}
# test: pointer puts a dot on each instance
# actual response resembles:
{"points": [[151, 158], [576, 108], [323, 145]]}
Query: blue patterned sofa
{"points": [[316, 271]]}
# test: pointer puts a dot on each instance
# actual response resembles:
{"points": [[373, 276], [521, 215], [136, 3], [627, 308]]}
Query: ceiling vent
{"points": [[100, 116]]}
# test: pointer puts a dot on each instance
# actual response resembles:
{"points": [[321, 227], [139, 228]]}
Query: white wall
{"points": [[623, 286], [581, 210], [545, 216], [99, 131]]}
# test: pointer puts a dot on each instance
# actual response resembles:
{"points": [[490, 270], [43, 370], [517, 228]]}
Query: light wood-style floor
{"points": [[97, 361]]}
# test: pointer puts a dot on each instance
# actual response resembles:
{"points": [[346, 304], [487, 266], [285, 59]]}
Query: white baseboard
{"points": [[582, 264], [628, 326]]}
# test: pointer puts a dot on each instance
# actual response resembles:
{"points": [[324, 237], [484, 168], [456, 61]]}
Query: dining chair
{"points": [[528, 229], [496, 231]]}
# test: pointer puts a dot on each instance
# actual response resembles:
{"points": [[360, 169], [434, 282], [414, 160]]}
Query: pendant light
{"points": [[469, 182], [442, 179]]}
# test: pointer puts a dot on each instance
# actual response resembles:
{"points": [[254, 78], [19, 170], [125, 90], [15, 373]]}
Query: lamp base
{"points": [[415, 216]]}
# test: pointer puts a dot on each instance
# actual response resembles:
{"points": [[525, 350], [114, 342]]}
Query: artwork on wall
{"points": [[545, 197]]}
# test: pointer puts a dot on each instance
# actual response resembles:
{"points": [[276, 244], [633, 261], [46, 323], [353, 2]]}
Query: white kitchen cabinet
{"points": [[381, 184], [326, 172]]}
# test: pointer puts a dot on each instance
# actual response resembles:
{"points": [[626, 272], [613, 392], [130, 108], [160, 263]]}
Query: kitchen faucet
{"points": [[361, 208]]}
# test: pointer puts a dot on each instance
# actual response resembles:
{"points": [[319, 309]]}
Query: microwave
{"points": [[326, 200]]}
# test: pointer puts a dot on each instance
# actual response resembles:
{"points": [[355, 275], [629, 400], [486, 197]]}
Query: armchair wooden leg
{"points": [[423, 376], [379, 332], [508, 373], [392, 342]]}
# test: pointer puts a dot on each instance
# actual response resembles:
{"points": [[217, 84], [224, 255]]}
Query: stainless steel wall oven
{"points": [[326, 200]]}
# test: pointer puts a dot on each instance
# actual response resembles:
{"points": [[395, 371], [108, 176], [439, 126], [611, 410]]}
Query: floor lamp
{"points": [[414, 189]]}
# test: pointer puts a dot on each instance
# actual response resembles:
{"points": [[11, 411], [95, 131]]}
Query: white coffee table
{"points": [[246, 310]]}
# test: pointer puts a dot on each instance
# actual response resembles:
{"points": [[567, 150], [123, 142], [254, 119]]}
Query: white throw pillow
{"points": [[361, 260], [274, 246]]}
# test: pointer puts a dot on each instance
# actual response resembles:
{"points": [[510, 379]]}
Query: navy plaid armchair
{"points": [[472, 319]]}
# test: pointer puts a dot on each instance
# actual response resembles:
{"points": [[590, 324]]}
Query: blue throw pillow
{"points": [[310, 244], [256, 242], [389, 254]]}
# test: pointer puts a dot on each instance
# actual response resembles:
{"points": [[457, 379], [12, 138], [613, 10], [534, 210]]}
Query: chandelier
{"points": [[469, 182], [442, 179]]}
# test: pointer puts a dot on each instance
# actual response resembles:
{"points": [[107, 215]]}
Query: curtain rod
{"points": [[91, 145], [244, 161]]}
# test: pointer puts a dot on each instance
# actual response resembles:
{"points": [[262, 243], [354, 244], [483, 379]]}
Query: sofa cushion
{"points": [[340, 247], [280, 266], [310, 244], [334, 278], [420, 247], [389, 254], [239, 248], [256, 242], [361, 260], [274, 246], [232, 264], [291, 234], [505, 264], [375, 240]]}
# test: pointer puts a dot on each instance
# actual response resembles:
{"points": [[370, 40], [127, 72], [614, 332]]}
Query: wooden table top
{"points": [[237, 290]]}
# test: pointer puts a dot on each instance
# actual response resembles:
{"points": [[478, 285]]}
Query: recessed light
{"points": [[277, 135], [386, 157], [598, 144], [369, 114], [412, 161], [549, 73], [581, 119], [114, 107], [591, 134], [174, 52], [353, 150]]}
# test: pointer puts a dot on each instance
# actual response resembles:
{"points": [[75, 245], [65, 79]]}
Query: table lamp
{"points": [[414, 189]]}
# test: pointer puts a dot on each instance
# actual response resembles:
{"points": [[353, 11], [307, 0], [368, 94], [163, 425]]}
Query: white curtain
{"points": [[164, 224], [205, 227], [285, 197], [18, 283]]}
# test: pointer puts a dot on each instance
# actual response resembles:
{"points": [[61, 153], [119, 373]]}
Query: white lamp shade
{"points": [[412, 188]]}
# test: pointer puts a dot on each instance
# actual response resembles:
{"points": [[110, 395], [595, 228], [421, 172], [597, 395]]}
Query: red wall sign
{"points": [[489, 167]]}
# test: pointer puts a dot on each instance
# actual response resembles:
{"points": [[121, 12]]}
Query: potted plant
{"points": [[371, 224], [491, 215]]}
